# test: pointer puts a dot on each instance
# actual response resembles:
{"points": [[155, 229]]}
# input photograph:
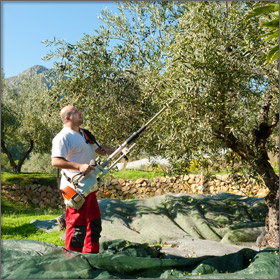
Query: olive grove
{"points": [[205, 58]]}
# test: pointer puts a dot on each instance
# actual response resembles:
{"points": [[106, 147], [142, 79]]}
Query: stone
{"points": [[139, 181], [158, 192], [35, 200], [162, 180], [120, 188], [212, 189], [47, 201], [133, 191], [43, 193], [125, 188], [121, 182], [41, 204], [191, 180], [144, 184], [114, 182], [49, 195], [24, 198]]}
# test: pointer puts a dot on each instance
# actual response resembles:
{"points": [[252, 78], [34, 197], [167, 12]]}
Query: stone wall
{"points": [[42, 196], [49, 196], [143, 188]]}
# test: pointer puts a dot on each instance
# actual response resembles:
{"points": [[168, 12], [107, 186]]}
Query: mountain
{"points": [[32, 71]]}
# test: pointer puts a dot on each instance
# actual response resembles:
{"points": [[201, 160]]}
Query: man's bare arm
{"points": [[62, 163]]}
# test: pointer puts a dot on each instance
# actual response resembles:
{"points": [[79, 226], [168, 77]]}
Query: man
{"points": [[73, 154]]}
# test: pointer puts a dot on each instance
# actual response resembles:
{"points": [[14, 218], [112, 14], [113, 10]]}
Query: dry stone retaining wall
{"points": [[49, 196], [43, 196]]}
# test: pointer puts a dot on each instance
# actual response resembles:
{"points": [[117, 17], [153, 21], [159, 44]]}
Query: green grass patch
{"points": [[18, 227], [8, 178], [10, 207], [16, 218], [128, 174]]}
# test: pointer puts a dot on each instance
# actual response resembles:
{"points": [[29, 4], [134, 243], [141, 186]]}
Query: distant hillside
{"points": [[32, 71]]}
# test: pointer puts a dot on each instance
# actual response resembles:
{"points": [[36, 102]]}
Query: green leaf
{"points": [[273, 54], [273, 24], [261, 10], [270, 35], [273, 35]]}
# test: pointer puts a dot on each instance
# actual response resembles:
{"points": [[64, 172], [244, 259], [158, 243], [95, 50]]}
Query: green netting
{"points": [[27, 259], [223, 217], [204, 229]]}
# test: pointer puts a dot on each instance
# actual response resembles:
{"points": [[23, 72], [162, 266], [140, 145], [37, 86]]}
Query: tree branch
{"points": [[8, 153], [25, 154], [265, 108], [232, 142]]}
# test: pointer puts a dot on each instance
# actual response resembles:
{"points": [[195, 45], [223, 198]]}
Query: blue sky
{"points": [[25, 24]]}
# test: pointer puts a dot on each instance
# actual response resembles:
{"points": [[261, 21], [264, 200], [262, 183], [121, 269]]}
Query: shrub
{"points": [[5, 164], [40, 163]]}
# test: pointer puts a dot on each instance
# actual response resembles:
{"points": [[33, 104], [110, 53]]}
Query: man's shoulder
{"points": [[64, 133]]}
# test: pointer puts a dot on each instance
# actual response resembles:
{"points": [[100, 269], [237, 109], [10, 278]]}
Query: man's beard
{"points": [[78, 122]]}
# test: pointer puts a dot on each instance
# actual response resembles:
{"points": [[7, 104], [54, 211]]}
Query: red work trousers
{"points": [[83, 227]]}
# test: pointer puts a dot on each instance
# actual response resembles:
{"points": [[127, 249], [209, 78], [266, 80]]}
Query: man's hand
{"points": [[85, 168], [65, 164]]}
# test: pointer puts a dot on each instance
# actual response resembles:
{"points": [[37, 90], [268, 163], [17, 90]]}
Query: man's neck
{"points": [[73, 127]]}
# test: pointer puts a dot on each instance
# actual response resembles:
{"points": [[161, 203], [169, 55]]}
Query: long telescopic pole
{"points": [[133, 137]]}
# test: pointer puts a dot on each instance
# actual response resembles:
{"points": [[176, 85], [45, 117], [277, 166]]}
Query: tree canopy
{"points": [[25, 120]]}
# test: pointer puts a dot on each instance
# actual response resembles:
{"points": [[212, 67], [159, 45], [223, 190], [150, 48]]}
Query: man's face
{"points": [[76, 116]]}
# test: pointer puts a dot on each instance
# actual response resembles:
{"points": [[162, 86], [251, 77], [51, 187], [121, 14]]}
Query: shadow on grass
{"points": [[8, 178], [24, 230]]}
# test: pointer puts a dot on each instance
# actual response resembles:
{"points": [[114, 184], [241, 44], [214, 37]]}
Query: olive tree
{"points": [[25, 120], [91, 81], [226, 97], [103, 74], [202, 56]]}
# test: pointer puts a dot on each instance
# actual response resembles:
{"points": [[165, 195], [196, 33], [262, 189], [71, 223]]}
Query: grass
{"points": [[8, 178], [16, 218], [136, 174]]}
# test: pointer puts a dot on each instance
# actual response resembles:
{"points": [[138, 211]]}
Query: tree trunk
{"points": [[25, 155], [260, 162], [271, 237], [10, 156], [17, 167]]}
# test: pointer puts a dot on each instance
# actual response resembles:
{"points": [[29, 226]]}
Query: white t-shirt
{"points": [[72, 146]]}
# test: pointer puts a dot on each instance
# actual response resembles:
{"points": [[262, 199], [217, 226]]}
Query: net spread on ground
{"points": [[168, 236]]}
